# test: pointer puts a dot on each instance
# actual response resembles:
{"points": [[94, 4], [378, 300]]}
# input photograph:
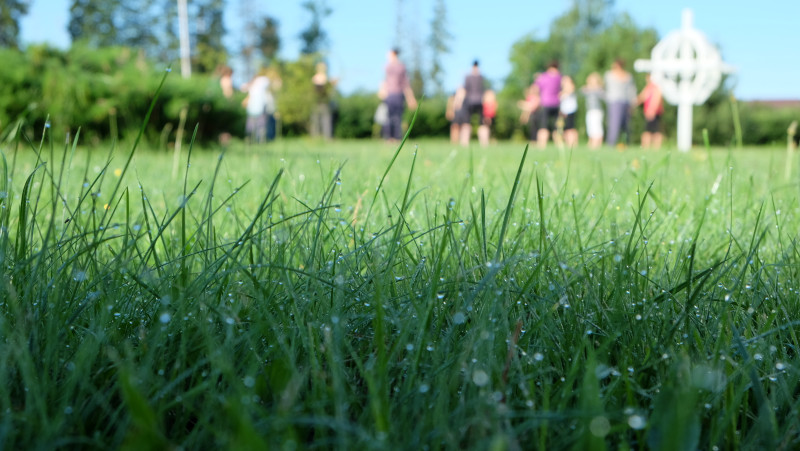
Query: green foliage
{"points": [[438, 42], [209, 51], [105, 92], [11, 12], [296, 97], [355, 115], [314, 38], [430, 117], [94, 22], [269, 41], [581, 43]]}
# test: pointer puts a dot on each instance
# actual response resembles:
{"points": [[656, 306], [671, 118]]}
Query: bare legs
{"points": [[652, 140], [466, 133]]}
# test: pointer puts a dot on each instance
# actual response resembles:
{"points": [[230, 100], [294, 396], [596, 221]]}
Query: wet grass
{"points": [[357, 295]]}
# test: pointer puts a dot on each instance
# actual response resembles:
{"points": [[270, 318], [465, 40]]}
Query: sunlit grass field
{"points": [[360, 295]]}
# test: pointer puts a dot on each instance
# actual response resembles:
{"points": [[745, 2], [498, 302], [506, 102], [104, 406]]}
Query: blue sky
{"points": [[758, 37]]}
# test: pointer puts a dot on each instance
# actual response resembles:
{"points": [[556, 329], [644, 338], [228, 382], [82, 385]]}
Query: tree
{"points": [[136, 19], [208, 32], [416, 77], [587, 38], [438, 41], [314, 38], [168, 48], [269, 41], [94, 22], [11, 11]]}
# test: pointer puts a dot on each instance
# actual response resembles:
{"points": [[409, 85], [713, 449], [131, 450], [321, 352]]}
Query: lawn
{"points": [[349, 295]]}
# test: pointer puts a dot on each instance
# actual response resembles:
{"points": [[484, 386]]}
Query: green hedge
{"points": [[106, 93]]}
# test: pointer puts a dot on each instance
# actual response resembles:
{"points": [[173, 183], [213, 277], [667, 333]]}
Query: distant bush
{"points": [[106, 93], [355, 115]]}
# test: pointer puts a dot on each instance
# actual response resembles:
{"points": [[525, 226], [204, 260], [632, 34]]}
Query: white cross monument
{"points": [[688, 69]]}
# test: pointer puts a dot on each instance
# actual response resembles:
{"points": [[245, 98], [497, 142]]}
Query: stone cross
{"points": [[688, 69]]}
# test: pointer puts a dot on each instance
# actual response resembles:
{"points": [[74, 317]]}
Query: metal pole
{"points": [[183, 26]]}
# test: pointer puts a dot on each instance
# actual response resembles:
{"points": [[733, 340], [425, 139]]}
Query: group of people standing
{"points": [[549, 109], [470, 101], [553, 96]]}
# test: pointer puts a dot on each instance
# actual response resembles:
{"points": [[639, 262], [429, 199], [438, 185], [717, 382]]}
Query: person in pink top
{"points": [[398, 89], [549, 84], [653, 104]]}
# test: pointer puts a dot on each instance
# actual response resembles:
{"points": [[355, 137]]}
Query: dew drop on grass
{"points": [[410, 347], [636, 422], [480, 378], [229, 320], [249, 381], [68, 410], [459, 318], [758, 357], [424, 388], [538, 356], [165, 317], [780, 366], [600, 426], [638, 317]]}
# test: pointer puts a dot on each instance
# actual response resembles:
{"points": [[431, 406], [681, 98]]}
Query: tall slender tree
{"points": [[269, 41], [208, 32], [438, 42], [136, 19], [94, 22], [314, 38], [11, 11], [166, 26]]}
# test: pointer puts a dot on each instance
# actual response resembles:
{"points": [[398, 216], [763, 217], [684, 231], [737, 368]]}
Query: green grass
{"points": [[328, 295]]}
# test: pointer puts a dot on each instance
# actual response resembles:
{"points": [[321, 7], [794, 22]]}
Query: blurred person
{"points": [[225, 74], [489, 113], [258, 102], [653, 106], [549, 83], [454, 112], [569, 109], [530, 109], [473, 106], [620, 96], [226, 80], [381, 117], [593, 92], [322, 116], [273, 114], [398, 90]]}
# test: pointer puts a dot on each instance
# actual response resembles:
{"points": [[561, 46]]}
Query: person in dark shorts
{"points": [[454, 113], [474, 88], [398, 93], [549, 83], [653, 104]]}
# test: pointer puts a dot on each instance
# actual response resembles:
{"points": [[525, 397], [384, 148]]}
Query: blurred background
{"points": [[95, 64]]}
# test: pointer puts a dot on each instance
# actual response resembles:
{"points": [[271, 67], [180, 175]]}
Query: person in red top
{"points": [[489, 113], [653, 104]]}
